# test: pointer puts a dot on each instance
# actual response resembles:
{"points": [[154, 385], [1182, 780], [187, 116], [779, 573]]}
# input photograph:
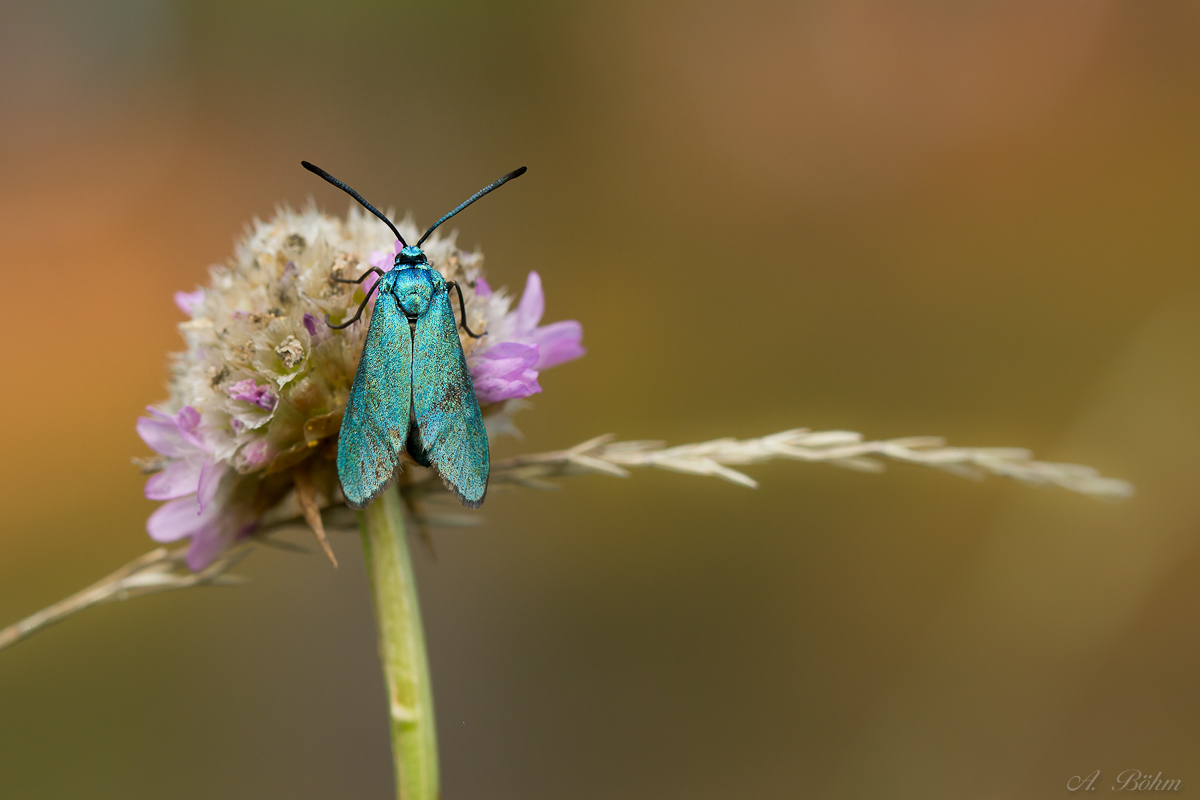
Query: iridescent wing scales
{"points": [[375, 425], [447, 412]]}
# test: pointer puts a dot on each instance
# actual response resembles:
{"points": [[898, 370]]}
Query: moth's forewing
{"points": [[375, 425], [445, 405]]}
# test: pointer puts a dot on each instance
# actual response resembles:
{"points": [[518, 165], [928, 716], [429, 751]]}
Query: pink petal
{"points": [[188, 420], [371, 280], [532, 305], [506, 371], [163, 436], [188, 302], [506, 358], [310, 324], [178, 479], [493, 390], [482, 288], [210, 542], [207, 544], [384, 259], [210, 479], [558, 342], [502, 368], [250, 392], [253, 455], [522, 350], [178, 519]]}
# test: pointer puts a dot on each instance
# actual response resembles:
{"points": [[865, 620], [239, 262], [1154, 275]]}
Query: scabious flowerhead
{"points": [[257, 396]]}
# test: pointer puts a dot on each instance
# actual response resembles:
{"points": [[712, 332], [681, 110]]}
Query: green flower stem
{"points": [[402, 647]]}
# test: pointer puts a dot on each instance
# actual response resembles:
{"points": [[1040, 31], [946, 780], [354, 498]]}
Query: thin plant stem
{"points": [[157, 571], [401, 648], [162, 570]]}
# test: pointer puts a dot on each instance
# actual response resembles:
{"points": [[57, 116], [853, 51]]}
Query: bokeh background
{"points": [[974, 220]]}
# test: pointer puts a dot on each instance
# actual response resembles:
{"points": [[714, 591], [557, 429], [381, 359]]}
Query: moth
{"points": [[412, 390]]}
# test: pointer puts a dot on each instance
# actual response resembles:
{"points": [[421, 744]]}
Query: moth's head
{"points": [[411, 256]]}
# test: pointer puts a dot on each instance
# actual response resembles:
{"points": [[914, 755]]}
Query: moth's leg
{"points": [[363, 277], [462, 306], [357, 315]]}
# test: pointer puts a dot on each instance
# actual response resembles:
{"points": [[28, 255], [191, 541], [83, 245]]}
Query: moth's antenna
{"points": [[516, 173], [313, 168]]}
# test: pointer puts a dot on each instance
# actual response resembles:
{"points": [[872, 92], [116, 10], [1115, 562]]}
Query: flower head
{"points": [[257, 396]]}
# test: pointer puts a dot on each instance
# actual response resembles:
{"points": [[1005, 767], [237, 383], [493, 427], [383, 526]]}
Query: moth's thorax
{"points": [[411, 256], [413, 288]]}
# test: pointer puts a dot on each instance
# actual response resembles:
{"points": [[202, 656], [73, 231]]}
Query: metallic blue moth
{"points": [[412, 389]]}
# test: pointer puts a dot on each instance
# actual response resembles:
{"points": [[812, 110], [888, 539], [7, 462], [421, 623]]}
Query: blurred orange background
{"points": [[976, 221]]}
